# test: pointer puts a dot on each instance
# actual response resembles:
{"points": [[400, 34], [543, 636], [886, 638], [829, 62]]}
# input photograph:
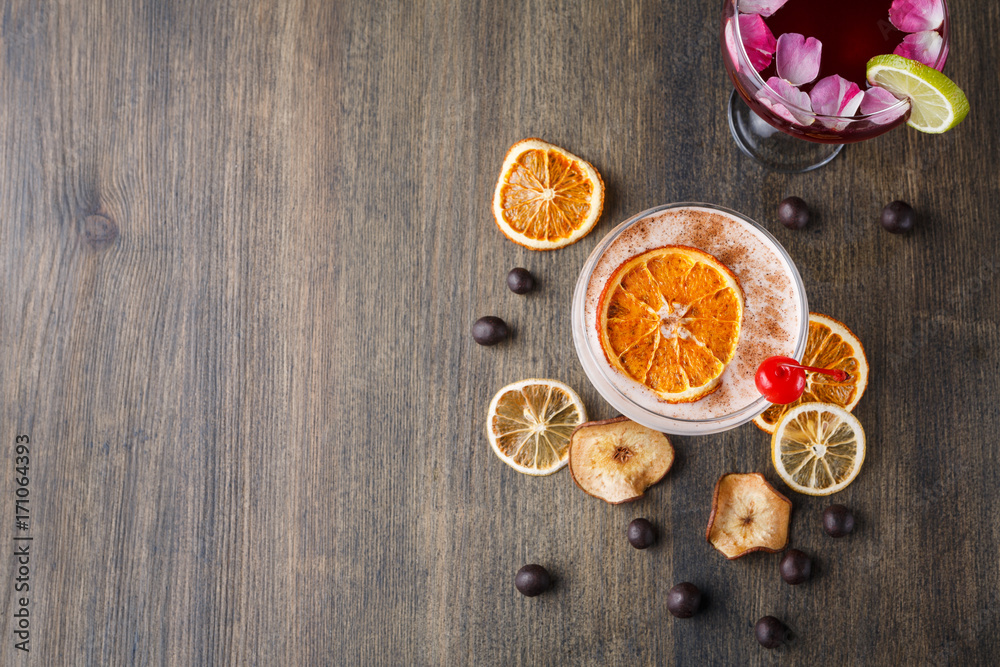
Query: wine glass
{"points": [[785, 136]]}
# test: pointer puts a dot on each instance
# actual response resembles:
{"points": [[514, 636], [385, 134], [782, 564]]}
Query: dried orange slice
{"points": [[670, 319], [818, 448], [546, 197], [530, 422], [831, 345]]}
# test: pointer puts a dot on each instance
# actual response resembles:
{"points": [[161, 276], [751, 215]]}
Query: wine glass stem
{"points": [[770, 147]]}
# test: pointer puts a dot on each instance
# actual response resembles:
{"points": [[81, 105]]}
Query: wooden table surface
{"points": [[241, 248]]}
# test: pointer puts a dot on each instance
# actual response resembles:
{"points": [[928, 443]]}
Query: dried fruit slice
{"points": [[818, 448], [670, 319], [617, 460], [546, 197], [831, 345], [748, 515], [529, 424]]}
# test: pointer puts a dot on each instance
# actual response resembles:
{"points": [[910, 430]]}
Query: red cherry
{"points": [[781, 379]]}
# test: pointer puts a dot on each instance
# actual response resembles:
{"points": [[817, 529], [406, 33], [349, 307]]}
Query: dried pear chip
{"points": [[748, 515], [616, 460]]}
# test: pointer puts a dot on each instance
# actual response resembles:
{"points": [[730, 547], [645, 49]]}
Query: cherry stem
{"points": [[839, 376]]}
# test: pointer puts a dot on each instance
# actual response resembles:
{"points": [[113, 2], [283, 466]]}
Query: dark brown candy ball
{"points": [[795, 567], [770, 632], [532, 580], [683, 600], [898, 217], [489, 330], [641, 534], [838, 521], [793, 213], [520, 281]]}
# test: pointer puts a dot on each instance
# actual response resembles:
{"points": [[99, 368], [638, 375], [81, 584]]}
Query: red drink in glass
{"points": [[851, 33]]}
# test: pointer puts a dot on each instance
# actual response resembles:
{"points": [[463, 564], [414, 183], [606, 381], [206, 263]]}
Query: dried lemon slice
{"points": [[818, 448], [530, 422], [546, 197]]}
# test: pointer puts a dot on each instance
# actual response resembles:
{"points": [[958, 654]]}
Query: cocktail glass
{"points": [[799, 139], [765, 255]]}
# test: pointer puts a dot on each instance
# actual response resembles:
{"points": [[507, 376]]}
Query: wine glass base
{"points": [[772, 148]]}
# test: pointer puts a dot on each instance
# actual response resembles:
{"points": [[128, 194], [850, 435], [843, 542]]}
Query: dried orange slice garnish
{"points": [[546, 197], [670, 320], [831, 345]]}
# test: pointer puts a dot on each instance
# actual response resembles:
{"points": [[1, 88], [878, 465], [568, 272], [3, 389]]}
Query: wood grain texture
{"points": [[241, 247]]}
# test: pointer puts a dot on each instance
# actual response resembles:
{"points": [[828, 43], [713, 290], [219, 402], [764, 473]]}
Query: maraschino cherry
{"points": [[782, 379]]}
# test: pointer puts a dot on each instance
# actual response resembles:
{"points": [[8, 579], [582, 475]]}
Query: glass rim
{"points": [[945, 33], [579, 327]]}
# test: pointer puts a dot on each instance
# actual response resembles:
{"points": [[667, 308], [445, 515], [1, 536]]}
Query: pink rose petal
{"points": [[762, 7], [789, 103], [922, 46], [797, 58], [835, 96], [758, 41], [917, 15], [876, 99]]}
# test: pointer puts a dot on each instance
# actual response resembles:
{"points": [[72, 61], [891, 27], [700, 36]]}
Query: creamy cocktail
{"points": [[770, 318]]}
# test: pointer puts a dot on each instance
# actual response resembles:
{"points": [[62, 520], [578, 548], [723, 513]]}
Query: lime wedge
{"points": [[937, 103]]}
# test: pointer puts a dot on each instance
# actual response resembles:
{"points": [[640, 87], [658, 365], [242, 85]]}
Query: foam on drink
{"points": [[772, 315]]}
